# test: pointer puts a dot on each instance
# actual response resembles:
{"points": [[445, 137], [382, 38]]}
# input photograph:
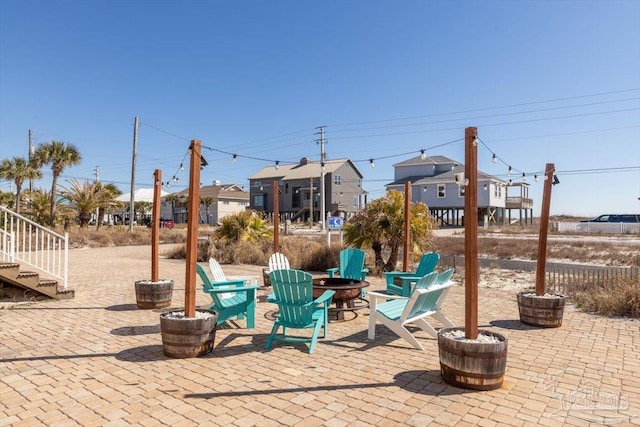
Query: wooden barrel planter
{"points": [[545, 311], [265, 277], [184, 337], [475, 365], [151, 294]]}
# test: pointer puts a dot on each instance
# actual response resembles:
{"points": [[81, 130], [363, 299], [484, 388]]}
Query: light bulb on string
{"points": [[509, 171], [423, 156], [181, 167], [277, 164], [233, 160], [494, 159], [371, 164], [535, 178]]}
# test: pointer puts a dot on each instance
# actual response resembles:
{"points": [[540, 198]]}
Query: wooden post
{"points": [[407, 225], [192, 229], [276, 217], [155, 224], [544, 229], [471, 233]]}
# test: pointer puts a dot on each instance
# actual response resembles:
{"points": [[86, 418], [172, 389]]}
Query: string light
{"points": [[371, 164], [510, 170], [423, 156], [233, 160], [277, 164], [494, 159], [181, 167], [535, 178]]}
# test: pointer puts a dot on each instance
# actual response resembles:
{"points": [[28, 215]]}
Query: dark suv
{"points": [[614, 218]]}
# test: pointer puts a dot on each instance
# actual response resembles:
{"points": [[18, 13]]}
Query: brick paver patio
{"points": [[97, 360]]}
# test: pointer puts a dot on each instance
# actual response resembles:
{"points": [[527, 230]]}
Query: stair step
{"points": [[68, 294], [24, 274], [8, 265], [44, 282]]}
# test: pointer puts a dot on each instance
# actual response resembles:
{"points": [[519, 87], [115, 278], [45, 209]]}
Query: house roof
{"points": [[438, 177], [223, 191], [428, 160], [301, 170]]}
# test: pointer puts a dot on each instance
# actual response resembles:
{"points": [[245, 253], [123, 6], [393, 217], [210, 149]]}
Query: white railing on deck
{"points": [[27, 242]]}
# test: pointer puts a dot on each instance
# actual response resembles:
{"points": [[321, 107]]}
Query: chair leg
{"points": [[403, 332], [273, 333], [372, 318], [425, 326], [251, 315], [316, 331], [440, 317]]}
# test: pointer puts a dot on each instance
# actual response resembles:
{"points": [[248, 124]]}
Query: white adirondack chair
{"points": [[397, 313]]}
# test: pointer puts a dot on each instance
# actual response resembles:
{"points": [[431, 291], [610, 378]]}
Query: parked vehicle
{"points": [[166, 223], [615, 218]]}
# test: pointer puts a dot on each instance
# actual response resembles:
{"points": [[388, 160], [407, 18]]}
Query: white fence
{"points": [[598, 227]]}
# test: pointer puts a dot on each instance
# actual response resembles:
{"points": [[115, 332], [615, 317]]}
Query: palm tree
{"points": [[6, 198], [110, 193], [19, 170], [36, 206], [245, 226], [59, 155], [85, 198], [381, 226]]}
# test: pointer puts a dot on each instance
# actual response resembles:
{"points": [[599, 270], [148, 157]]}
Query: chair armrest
{"points": [[332, 271], [232, 289], [379, 295], [390, 275], [325, 297]]}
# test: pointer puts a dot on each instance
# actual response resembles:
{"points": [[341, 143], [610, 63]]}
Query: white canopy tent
{"points": [[140, 195]]}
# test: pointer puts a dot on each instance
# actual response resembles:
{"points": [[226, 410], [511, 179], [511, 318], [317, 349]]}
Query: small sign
{"points": [[335, 222]]}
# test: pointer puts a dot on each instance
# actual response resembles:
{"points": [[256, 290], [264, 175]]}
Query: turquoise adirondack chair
{"points": [[400, 282], [351, 265], [297, 309], [398, 311], [231, 298]]}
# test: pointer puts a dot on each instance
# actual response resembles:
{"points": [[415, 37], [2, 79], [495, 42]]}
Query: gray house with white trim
{"points": [[433, 183]]}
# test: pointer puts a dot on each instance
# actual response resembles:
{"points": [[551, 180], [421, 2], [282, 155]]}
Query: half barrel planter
{"points": [[185, 337], [150, 294], [472, 364], [545, 310]]}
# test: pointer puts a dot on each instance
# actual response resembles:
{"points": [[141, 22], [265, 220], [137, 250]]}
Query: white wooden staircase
{"points": [[33, 257]]}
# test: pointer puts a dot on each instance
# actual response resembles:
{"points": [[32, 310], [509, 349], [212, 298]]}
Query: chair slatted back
{"points": [[293, 290], [352, 263], [445, 276], [425, 301], [427, 264], [278, 261], [427, 281], [216, 271]]}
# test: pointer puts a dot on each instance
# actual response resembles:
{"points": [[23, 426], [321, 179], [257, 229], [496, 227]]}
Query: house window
{"points": [[258, 200], [337, 180], [360, 183], [257, 183], [441, 191], [355, 202], [225, 202]]}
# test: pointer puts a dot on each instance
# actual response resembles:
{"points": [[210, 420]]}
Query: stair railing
{"points": [[27, 242]]}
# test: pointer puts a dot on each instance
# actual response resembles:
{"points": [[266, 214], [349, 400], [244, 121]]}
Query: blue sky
{"points": [[544, 82]]}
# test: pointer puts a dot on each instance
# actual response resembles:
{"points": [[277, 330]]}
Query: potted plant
{"points": [[472, 358], [154, 293], [189, 332], [540, 308]]}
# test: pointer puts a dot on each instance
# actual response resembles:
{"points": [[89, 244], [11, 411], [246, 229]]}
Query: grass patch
{"points": [[612, 298]]}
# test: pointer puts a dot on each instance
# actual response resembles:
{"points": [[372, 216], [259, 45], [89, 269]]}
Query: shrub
{"points": [[613, 298]]}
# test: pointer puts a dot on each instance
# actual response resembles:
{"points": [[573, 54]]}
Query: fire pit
{"points": [[347, 294]]}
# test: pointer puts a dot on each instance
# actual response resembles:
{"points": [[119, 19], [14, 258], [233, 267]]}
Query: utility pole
{"points": [[133, 172], [30, 158], [323, 158]]}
